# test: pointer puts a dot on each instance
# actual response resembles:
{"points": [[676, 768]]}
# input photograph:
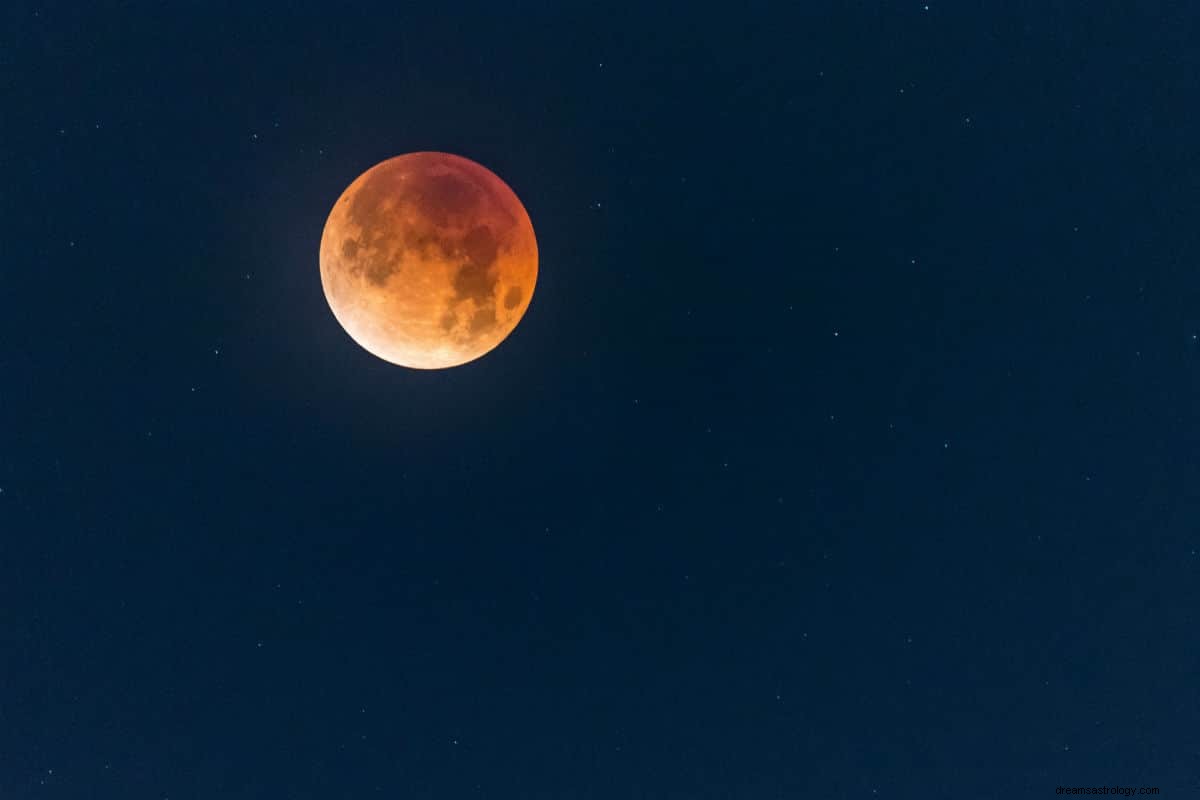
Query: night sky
{"points": [[847, 449]]}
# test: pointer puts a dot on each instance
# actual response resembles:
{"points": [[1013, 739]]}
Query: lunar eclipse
{"points": [[428, 260]]}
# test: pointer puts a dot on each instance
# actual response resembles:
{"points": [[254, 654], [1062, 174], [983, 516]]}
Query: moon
{"points": [[428, 260]]}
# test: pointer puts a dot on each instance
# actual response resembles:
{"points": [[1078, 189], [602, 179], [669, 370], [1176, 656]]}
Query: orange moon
{"points": [[428, 260]]}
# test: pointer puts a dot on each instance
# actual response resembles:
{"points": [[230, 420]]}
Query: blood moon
{"points": [[428, 260]]}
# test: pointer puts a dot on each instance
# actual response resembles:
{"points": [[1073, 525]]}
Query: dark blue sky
{"points": [[847, 449]]}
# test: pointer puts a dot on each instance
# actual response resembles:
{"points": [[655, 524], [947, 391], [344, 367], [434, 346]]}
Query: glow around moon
{"points": [[428, 260]]}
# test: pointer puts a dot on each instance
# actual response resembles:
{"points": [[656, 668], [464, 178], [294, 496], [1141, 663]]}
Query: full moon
{"points": [[428, 260]]}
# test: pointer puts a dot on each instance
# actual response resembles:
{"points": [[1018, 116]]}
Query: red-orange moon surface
{"points": [[428, 260]]}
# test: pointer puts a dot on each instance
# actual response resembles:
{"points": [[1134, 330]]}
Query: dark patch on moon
{"points": [[474, 279], [349, 248], [512, 298], [378, 270], [441, 197], [420, 240], [449, 320], [473, 282], [480, 246], [482, 321]]}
